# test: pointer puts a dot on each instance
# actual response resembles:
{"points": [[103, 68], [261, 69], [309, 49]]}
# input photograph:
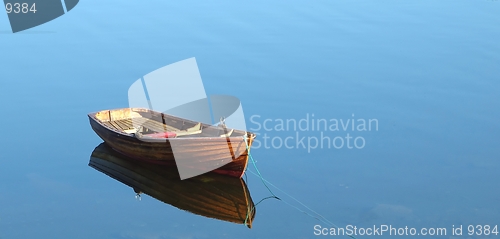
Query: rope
{"points": [[256, 169], [260, 175], [319, 217]]}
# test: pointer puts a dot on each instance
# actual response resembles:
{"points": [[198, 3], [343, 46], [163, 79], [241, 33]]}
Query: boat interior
{"points": [[149, 123]]}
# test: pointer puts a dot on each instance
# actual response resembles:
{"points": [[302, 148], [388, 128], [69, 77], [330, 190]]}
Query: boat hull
{"points": [[210, 150]]}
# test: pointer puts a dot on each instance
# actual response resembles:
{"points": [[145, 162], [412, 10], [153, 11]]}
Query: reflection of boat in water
{"points": [[149, 135], [210, 195]]}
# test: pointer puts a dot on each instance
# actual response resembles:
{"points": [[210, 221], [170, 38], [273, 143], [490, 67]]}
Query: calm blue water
{"points": [[427, 71]]}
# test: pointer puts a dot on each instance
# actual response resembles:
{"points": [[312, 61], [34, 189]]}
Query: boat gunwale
{"points": [[92, 116]]}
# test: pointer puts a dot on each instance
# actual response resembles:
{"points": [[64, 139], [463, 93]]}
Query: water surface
{"points": [[427, 71]]}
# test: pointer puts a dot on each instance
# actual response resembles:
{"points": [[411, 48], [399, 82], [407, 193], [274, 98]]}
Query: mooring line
{"points": [[319, 217], [255, 166]]}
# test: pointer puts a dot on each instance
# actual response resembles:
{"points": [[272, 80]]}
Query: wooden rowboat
{"points": [[211, 195], [156, 137]]}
